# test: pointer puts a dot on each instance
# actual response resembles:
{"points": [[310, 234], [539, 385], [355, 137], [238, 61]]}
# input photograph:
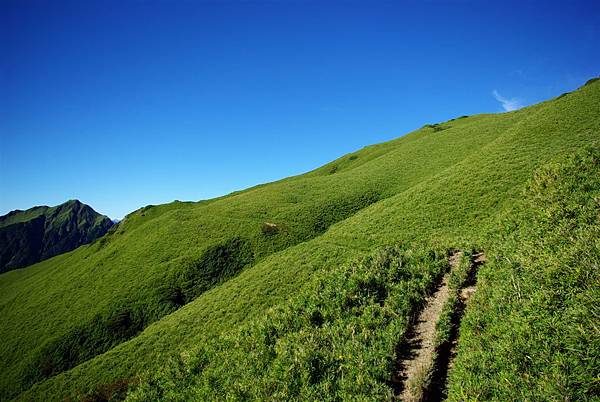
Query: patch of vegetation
{"points": [[339, 209], [122, 322], [113, 391], [335, 341], [217, 264], [436, 127], [530, 332], [85, 341]]}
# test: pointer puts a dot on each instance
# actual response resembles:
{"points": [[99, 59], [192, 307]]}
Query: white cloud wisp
{"points": [[507, 104]]}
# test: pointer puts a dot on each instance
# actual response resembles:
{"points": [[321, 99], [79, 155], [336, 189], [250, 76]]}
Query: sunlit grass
{"points": [[531, 331]]}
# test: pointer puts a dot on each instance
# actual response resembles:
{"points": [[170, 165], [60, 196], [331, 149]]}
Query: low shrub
{"points": [[113, 391], [217, 264], [337, 210], [85, 341], [123, 322], [436, 127]]}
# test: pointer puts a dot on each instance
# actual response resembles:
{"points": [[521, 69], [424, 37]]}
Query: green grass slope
{"points": [[436, 186], [335, 341], [531, 331], [530, 335]]}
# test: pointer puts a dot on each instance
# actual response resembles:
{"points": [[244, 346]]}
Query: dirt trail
{"points": [[465, 294], [418, 350], [420, 377]]}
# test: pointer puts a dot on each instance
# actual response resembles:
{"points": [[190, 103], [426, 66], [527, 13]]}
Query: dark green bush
{"points": [[436, 127], [337, 210], [217, 264], [86, 341], [113, 391]]}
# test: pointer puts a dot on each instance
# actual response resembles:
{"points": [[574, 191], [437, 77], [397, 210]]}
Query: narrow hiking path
{"points": [[418, 350], [422, 370], [447, 354]]}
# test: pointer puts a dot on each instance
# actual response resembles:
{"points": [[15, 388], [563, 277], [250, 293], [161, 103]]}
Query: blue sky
{"points": [[126, 103]]}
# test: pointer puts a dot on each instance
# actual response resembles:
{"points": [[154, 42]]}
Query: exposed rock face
{"points": [[27, 237]]}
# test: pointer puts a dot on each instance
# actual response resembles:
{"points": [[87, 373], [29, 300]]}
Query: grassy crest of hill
{"points": [[39, 233], [439, 187], [531, 334]]}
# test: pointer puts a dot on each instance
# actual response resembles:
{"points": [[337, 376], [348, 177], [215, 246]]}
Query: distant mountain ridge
{"points": [[41, 232]]}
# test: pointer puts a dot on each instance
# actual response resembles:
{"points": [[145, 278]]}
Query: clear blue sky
{"points": [[126, 103]]}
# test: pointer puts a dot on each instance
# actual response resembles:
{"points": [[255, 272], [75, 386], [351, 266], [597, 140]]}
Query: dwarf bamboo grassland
{"points": [[530, 335], [336, 341], [531, 330], [171, 277]]}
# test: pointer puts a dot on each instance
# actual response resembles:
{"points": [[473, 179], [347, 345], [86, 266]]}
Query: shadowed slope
{"points": [[39, 233]]}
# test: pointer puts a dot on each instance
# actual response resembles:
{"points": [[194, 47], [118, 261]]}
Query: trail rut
{"points": [[446, 356], [418, 349], [422, 370]]}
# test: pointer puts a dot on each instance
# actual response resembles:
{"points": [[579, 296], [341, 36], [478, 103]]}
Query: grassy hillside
{"points": [[531, 332], [337, 340], [438, 186], [39, 233]]}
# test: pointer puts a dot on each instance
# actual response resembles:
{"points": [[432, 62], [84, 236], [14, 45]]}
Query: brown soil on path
{"points": [[419, 349], [465, 294], [446, 354]]}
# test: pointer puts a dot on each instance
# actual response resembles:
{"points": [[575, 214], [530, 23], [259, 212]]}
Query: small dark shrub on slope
{"points": [[270, 229], [218, 263], [335, 211]]}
